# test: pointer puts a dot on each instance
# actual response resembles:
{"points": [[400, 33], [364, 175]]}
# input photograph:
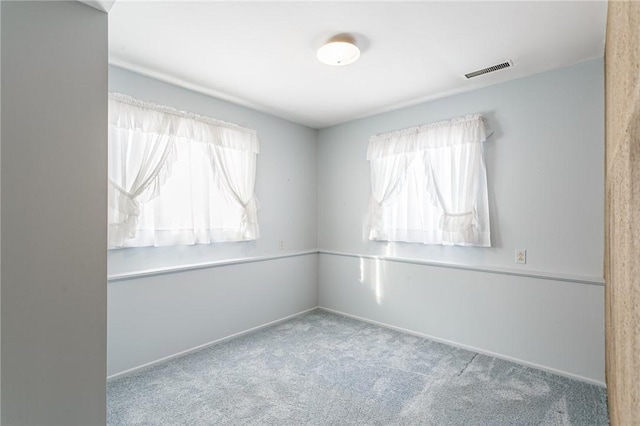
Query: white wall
{"points": [[549, 324], [544, 170], [152, 318], [54, 87], [285, 179], [545, 176], [156, 317]]}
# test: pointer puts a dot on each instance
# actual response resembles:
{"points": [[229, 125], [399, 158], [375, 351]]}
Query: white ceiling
{"points": [[263, 54]]}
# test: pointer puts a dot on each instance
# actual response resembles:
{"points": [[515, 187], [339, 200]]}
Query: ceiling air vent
{"points": [[490, 69]]}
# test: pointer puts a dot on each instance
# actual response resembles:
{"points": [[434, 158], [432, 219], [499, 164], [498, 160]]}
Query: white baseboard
{"points": [[378, 323], [471, 348], [203, 346]]}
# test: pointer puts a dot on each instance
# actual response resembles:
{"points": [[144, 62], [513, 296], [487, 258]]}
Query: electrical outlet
{"points": [[281, 245], [521, 256]]}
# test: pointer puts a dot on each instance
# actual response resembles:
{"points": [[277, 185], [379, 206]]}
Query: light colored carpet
{"points": [[326, 369]]}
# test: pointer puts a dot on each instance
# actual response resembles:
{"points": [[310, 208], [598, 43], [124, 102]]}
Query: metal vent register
{"points": [[490, 69]]}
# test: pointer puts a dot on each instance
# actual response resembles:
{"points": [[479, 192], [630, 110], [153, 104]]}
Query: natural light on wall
{"points": [[375, 276], [178, 178]]}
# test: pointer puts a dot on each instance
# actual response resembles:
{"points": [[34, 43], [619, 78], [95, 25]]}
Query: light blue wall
{"points": [[545, 173], [285, 179], [544, 169], [550, 324], [155, 317], [546, 178]]}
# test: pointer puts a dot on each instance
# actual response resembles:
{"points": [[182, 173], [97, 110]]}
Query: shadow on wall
{"points": [[490, 147]]}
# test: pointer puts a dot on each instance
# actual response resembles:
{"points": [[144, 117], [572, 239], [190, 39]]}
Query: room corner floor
{"points": [[326, 369]]}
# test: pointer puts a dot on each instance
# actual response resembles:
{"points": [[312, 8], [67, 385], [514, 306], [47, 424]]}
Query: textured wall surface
{"points": [[622, 268]]}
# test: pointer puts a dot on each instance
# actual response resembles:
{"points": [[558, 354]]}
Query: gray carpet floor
{"points": [[326, 369]]}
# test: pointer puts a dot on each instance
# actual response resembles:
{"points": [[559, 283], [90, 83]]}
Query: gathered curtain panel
{"points": [[178, 178], [429, 184]]}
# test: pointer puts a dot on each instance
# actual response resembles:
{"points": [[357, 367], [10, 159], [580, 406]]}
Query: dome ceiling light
{"points": [[340, 50]]}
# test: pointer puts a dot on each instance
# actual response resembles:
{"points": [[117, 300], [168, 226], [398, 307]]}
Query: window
{"points": [[429, 185], [178, 178]]}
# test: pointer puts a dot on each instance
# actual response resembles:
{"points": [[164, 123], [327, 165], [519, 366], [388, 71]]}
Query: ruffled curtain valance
{"points": [[468, 129], [444, 163], [129, 113]]}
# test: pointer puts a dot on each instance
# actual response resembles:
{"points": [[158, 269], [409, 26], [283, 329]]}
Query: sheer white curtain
{"points": [[141, 153], [388, 174], [234, 172], [438, 178], [167, 185]]}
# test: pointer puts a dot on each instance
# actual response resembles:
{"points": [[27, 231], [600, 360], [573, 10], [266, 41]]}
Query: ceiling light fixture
{"points": [[340, 50]]}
